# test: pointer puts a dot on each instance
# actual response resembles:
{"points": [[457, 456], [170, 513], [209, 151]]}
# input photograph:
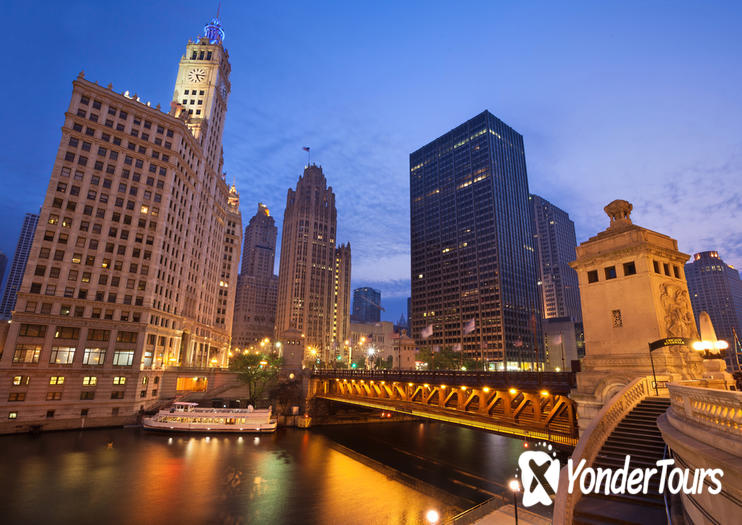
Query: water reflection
{"points": [[291, 476]]}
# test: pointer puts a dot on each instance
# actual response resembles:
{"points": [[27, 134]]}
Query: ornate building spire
{"points": [[213, 30]]}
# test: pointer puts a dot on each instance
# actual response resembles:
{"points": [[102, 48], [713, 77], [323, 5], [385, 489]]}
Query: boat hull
{"points": [[246, 428]]}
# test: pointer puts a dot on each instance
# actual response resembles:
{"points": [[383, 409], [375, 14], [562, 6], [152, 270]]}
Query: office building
{"points": [[257, 287], [715, 287], [3, 266], [366, 305], [556, 244], [134, 268], [473, 262], [18, 267], [314, 273]]}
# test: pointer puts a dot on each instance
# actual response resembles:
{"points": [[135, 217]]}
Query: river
{"points": [[322, 475]]}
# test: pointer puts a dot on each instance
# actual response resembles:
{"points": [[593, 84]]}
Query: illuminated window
{"points": [[21, 380], [89, 381], [56, 380], [27, 354], [123, 357], [192, 384], [119, 380], [62, 355], [12, 415], [94, 356]]}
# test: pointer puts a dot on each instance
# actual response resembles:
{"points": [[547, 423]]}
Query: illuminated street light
{"points": [[514, 486], [513, 391], [711, 346], [432, 516]]}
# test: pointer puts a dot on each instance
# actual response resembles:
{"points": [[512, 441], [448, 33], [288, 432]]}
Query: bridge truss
{"points": [[533, 405]]}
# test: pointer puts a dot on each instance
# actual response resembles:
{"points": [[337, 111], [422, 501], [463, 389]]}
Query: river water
{"points": [[290, 477]]}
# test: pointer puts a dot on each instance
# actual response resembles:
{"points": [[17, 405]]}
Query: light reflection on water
{"points": [[292, 476]]}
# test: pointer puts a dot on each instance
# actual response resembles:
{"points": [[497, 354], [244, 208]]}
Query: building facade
{"points": [[473, 263], [257, 287], [314, 273], [370, 341], [3, 267], [556, 244], [715, 288], [18, 266], [366, 305], [134, 268]]}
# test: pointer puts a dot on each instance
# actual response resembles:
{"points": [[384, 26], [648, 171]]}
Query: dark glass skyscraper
{"points": [[18, 267], [366, 305], [556, 244], [715, 287], [473, 261]]}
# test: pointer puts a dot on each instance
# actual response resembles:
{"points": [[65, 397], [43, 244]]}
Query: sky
{"points": [[622, 99]]}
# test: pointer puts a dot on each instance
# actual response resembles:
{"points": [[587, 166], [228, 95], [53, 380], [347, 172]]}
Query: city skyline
{"points": [[578, 157]]}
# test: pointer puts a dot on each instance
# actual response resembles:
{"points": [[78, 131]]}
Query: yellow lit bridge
{"points": [[532, 405]]}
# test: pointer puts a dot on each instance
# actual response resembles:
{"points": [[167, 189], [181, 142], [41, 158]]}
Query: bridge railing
{"points": [[555, 382], [593, 439], [714, 414]]}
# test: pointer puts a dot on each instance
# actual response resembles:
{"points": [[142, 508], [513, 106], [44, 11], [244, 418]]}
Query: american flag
{"points": [[427, 331], [305, 148]]}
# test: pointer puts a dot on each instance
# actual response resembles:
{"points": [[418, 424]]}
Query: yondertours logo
{"points": [[539, 473], [540, 476]]}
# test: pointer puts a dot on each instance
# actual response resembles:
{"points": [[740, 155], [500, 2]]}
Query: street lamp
{"points": [[432, 516], [514, 487], [711, 347]]}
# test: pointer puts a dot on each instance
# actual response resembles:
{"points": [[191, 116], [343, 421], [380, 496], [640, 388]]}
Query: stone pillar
{"points": [[633, 292]]}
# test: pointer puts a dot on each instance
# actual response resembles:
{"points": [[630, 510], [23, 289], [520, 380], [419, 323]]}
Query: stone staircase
{"points": [[637, 434]]}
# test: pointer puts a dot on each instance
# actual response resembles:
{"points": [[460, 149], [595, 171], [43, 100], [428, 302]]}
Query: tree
{"points": [[382, 363], [447, 359], [256, 371]]}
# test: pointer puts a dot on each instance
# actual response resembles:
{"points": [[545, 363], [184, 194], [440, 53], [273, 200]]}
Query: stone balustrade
{"points": [[595, 436], [703, 428], [714, 416]]}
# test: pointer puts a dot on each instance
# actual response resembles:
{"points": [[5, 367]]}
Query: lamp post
{"points": [[514, 486], [654, 375]]}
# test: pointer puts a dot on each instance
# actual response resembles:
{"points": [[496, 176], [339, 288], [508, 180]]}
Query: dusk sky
{"points": [[632, 100]]}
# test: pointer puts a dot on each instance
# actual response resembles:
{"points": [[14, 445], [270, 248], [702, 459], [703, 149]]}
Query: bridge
{"points": [[533, 405]]}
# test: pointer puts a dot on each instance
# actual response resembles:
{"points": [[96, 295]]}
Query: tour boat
{"points": [[185, 417]]}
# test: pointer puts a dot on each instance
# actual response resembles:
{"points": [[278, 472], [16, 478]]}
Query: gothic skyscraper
{"points": [[314, 275], [257, 287]]}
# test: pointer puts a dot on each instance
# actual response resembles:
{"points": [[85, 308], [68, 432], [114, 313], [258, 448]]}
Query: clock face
{"points": [[197, 75]]}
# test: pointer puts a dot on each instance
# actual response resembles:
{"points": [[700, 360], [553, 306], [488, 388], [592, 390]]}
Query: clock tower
{"points": [[202, 88]]}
